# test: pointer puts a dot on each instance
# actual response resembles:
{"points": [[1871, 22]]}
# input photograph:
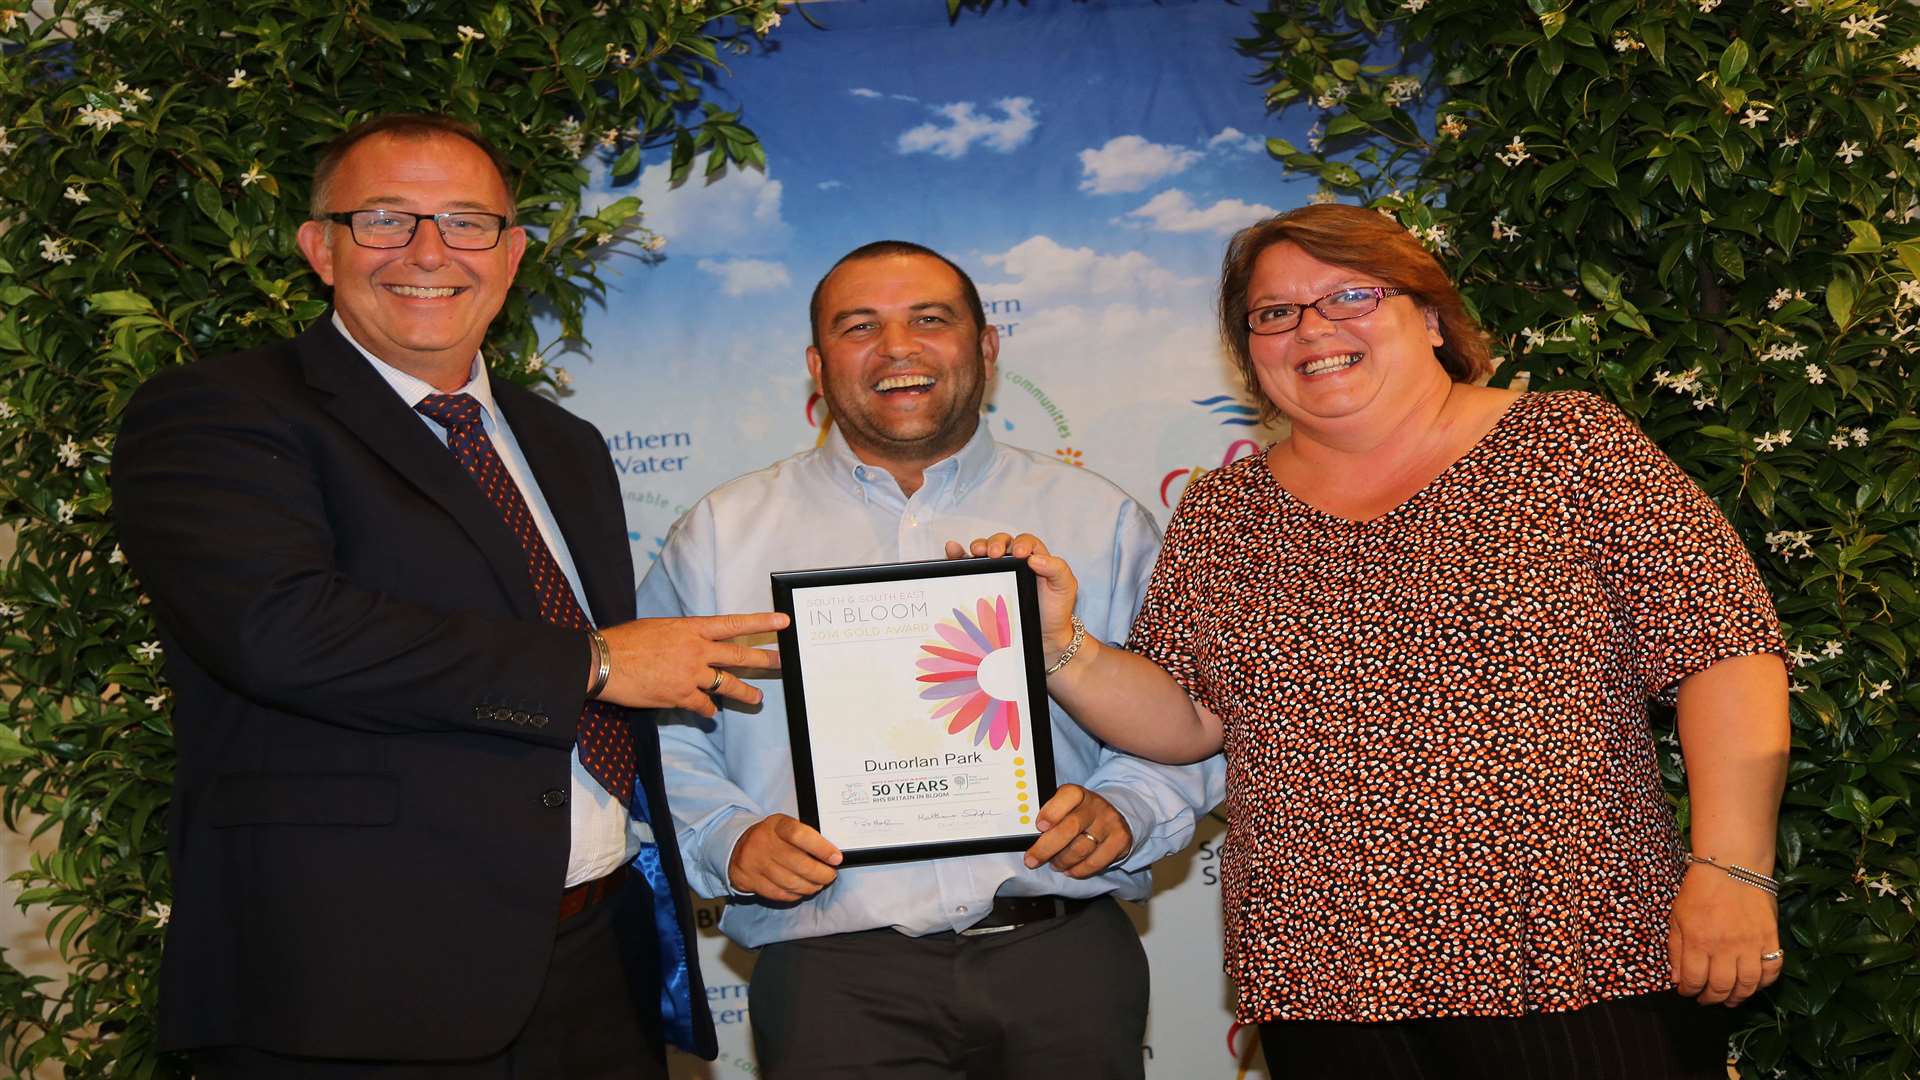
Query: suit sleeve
{"points": [[1161, 803], [221, 514], [710, 811]]}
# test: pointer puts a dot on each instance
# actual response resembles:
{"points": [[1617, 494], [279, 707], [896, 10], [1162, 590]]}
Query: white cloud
{"points": [[1234, 139], [739, 214], [1130, 163], [965, 127], [1039, 267], [829, 185], [738, 277], [903, 97], [1173, 210], [863, 92]]}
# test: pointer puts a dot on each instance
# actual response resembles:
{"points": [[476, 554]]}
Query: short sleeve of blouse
{"points": [[1676, 574], [1164, 631]]}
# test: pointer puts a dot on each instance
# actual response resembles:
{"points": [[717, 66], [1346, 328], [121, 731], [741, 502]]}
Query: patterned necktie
{"points": [[606, 742]]}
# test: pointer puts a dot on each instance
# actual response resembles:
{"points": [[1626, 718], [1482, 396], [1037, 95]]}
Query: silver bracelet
{"points": [[1738, 873], [602, 662], [1079, 639]]}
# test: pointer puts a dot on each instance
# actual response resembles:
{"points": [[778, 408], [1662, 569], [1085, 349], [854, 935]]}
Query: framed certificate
{"points": [[917, 706]]}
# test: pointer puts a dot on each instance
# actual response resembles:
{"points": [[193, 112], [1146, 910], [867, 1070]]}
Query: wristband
{"points": [[602, 662]]}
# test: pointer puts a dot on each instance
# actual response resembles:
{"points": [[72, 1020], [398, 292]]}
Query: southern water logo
{"points": [[642, 453]]}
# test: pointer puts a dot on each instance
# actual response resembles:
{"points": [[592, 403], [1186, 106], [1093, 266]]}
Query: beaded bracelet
{"points": [[1738, 873]]}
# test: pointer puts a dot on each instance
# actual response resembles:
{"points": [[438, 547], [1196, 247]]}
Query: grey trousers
{"points": [[1063, 997]]}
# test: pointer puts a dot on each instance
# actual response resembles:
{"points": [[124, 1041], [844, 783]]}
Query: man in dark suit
{"points": [[413, 831]]}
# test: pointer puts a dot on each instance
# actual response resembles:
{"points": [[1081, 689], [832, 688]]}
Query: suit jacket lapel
{"points": [[362, 401], [595, 532]]}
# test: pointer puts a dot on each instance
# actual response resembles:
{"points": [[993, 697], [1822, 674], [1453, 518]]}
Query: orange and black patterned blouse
{"points": [[1442, 789]]}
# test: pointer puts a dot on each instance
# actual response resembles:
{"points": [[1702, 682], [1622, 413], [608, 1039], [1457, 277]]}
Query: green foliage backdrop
{"points": [[1706, 211], [154, 166]]}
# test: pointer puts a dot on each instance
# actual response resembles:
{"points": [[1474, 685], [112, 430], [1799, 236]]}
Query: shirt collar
{"points": [[413, 390], [960, 473]]}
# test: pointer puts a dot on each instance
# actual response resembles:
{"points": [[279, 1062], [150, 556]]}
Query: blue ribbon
{"points": [[676, 988]]}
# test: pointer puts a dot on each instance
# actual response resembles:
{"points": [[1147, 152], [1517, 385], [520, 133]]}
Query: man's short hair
{"points": [[881, 248], [402, 126]]}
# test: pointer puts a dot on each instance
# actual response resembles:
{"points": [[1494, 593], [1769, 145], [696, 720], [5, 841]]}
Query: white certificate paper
{"points": [[921, 725]]}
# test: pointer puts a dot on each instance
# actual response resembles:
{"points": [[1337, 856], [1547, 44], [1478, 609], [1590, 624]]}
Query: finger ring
{"points": [[717, 676], [1090, 836], [1768, 957]]}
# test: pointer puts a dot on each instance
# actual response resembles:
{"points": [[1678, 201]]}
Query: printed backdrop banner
{"points": [[1086, 163]]}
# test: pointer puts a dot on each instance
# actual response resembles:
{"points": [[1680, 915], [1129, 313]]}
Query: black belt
{"points": [[575, 899], [1012, 912]]}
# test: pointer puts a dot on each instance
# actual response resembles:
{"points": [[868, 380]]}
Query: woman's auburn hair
{"points": [[1356, 239]]}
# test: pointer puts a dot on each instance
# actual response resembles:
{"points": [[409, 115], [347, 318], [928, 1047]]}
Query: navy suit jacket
{"points": [[369, 829]]}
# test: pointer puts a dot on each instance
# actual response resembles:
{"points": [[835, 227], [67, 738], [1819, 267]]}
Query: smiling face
{"points": [[1348, 370], [900, 361], [423, 308]]}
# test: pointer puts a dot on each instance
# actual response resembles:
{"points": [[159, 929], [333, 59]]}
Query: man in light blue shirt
{"points": [[927, 968]]}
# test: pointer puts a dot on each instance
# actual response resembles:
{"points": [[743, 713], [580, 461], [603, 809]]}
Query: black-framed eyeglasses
{"points": [[464, 230], [1348, 303]]}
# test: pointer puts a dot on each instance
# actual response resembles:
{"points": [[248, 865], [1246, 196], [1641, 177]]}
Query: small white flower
{"points": [[118, 557], [1705, 401], [1815, 374], [1402, 89], [1799, 656], [1880, 886], [1766, 443], [1314, 136], [1859, 436], [1831, 649], [103, 119], [766, 22], [1322, 197], [600, 10], [1911, 57], [238, 80], [1502, 230], [656, 243], [1707, 6], [1790, 139], [1452, 126], [1868, 25], [8, 17], [622, 56], [468, 34], [55, 249], [1849, 151], [1879, 690], [1516, 153], [1412, 7], [69, 453], [1755, 116], [252, 176], [535, 363], [561, 379], [1437, 236], [64, 511], [6, 145], [11, 611], [148, 651], [610, 138], [156, 701], [1532, 337], [101, 19], [1838, 440], [6, 410], [76, 194], [1625, 42], [160, 913], [1782, 297]]}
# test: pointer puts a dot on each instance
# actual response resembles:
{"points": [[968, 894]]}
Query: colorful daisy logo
{"points": [[975, 674]]}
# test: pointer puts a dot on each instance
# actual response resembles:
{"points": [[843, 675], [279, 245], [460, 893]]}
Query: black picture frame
{"points": [[800, 724]]}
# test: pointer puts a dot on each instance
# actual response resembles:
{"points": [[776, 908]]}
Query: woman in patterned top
{"points": [[1425, 627]]}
